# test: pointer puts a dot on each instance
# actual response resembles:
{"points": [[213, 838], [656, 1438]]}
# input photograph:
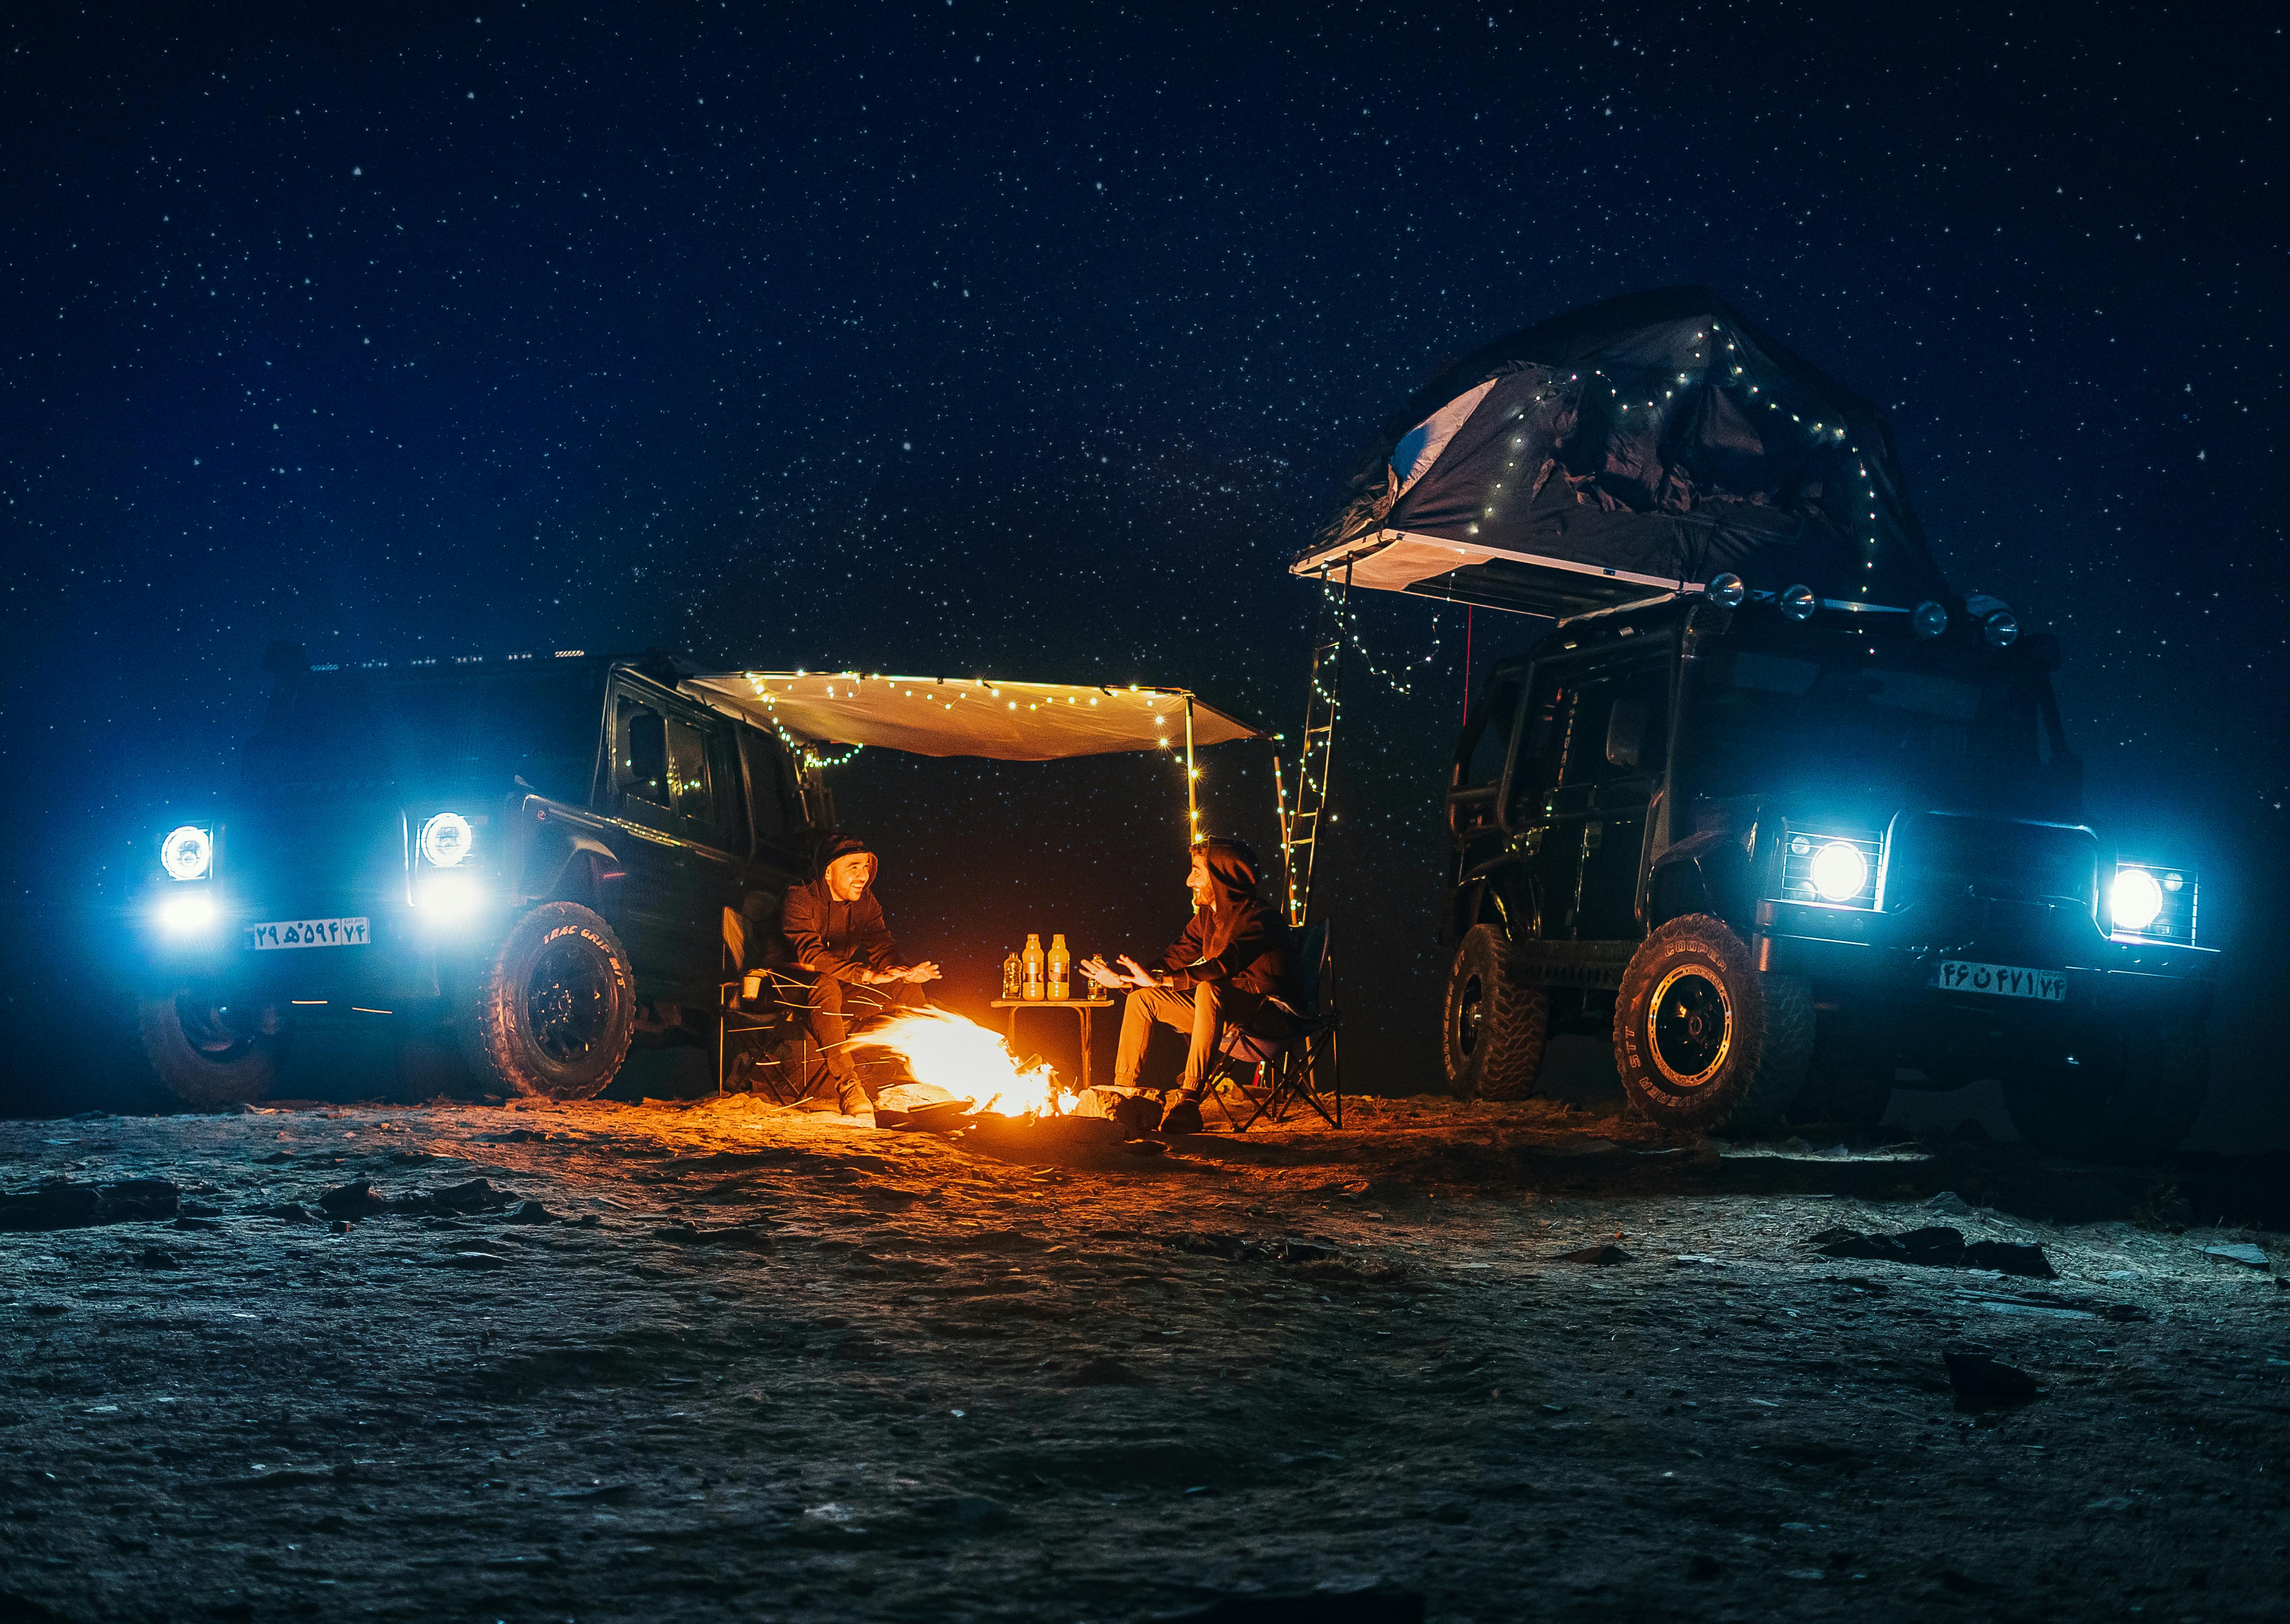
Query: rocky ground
{"points": [[742, 1363]]}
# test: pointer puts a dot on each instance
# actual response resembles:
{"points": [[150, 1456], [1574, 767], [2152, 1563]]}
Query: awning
{"points": [[949, 716]]}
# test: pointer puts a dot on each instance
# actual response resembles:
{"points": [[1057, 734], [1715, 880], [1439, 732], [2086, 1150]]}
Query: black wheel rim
{"points": [[208, 1028], [568, 1000], [1692, 1025], [1470, 1006]]}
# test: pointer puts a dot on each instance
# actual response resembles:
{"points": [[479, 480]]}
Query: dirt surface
{"points": [[745, 1363]]}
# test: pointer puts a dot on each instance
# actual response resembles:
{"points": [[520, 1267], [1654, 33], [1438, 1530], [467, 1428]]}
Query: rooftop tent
{"points": [[1637, 447]]}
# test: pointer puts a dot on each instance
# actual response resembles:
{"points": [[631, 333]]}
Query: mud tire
{"points": [[1492, 1028], [554, 1008], [2133, 1103], [1726, 1046], [199, 1059]]}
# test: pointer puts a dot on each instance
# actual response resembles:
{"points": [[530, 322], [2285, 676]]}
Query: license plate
{"points": [[309, 933], [2001, 980]]}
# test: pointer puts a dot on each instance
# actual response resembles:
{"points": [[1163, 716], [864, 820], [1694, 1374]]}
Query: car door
{"points": [[661, 908], [1549, 797], [1473, 808], [1627, 720]]}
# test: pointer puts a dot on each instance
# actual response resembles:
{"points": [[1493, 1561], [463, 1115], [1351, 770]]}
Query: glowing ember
{"points": [[966, 1059]]}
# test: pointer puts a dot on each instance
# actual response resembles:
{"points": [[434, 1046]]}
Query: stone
{"points": [[1983, 1382], [530, 1212], [1602, 1256], [2009, 1258], [1106, 1371], [2241, 1251], [1374, 1603], [1950, 1204]]}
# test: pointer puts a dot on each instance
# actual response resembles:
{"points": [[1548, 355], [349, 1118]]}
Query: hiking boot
{"points": [[1183, 1114], [852, 1101]]}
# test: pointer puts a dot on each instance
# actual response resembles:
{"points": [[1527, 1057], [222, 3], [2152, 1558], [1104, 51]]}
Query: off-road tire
{"points": [[1726, 1046], [1492, 1026], [2133, 1100], [201, 1061], [554, 1008]]}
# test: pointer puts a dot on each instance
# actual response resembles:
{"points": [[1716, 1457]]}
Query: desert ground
{"points": [[716, 1359]]}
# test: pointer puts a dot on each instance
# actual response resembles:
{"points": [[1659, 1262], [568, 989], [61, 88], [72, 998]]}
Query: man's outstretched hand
{"points": [[1132, 974], [917, 973]]}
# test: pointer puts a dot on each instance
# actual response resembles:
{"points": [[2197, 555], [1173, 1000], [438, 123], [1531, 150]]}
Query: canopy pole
{"points": [[1192, 781]]}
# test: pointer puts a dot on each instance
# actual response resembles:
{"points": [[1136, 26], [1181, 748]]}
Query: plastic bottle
{"points": [[1061, 969], [1013, 975], [1033, 964]]}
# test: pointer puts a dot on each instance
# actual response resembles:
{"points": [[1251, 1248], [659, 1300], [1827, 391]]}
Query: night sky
{"points": [[972, 339]]}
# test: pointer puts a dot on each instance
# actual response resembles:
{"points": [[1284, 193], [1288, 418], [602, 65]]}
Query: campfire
{"points": [[944, 1051]]}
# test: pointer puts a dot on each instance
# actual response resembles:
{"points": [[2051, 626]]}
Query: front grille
{"points": [[1939, 858], [313, 861]]}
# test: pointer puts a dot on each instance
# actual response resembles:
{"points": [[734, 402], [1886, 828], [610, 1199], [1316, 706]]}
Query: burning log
{"points": [[944, 1051]]}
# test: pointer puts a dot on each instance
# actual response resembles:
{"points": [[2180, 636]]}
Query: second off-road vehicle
{"points": [[1738, 840]]}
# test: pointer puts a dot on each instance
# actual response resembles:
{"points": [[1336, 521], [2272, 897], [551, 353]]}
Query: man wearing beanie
{"points": [[835, 931]]}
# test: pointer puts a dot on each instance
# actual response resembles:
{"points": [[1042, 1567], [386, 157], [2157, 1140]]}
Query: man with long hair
{"points": [[1227, 980]]}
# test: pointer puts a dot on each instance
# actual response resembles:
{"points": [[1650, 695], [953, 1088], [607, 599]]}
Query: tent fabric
{"points": [[938, 716], [1661, 437]]}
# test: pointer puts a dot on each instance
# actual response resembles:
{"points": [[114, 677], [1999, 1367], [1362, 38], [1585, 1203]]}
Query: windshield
{"points": [[1830, 716], [399, 727]]}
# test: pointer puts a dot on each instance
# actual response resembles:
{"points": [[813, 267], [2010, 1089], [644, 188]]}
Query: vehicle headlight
{"points": [[1836, 868], [2154, 900], [1840, 872], [446, 839], [187, 853], [186, 912]]}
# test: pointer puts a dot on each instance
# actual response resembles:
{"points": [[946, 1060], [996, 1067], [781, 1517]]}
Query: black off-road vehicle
{"points": [[1768, 841], [1774, 799], [506, 860]]}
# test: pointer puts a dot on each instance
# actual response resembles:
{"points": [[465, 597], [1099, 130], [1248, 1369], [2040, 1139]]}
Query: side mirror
{"points": [[1625, 727]]}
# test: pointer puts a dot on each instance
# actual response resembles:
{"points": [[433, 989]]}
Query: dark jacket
{"points": [[831, 937], [1239, 940]]}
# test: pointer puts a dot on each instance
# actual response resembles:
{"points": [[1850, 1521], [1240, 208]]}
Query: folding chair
{"points": [[768, 1011], [1304, 1067]]}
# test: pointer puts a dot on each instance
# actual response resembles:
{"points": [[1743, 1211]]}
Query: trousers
{"points": [[834, 1009], [1203, 1013]]}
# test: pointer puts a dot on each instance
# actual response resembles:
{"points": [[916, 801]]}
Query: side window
{"points": [[640, 765], [687, 772], [1488, 746], [1633, 733], [774, 802], [728, 807], [1547, 724]]}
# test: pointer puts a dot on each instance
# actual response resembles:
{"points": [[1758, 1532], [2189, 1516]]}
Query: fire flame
{"points": [[966, 1059]]}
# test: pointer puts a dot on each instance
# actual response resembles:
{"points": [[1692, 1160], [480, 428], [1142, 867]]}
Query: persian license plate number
{"points": [[277, 933], [2001, 980]]}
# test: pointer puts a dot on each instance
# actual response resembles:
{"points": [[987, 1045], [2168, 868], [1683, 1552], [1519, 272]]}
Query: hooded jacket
{"points": [[833, 937], [1239, 940]]}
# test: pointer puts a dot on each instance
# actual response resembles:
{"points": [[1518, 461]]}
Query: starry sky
{"points": [[974, 338]]}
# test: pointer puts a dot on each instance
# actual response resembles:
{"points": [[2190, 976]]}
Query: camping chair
{"points": [[1304, 1066], [768, 1018]]}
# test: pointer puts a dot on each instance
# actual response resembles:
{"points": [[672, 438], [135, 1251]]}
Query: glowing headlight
{"points": [[186, 854], [194, 912], [1726, 591], [1798, 603], [2135, 898], [1840, 872], [445, 840], [447, 896]]}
